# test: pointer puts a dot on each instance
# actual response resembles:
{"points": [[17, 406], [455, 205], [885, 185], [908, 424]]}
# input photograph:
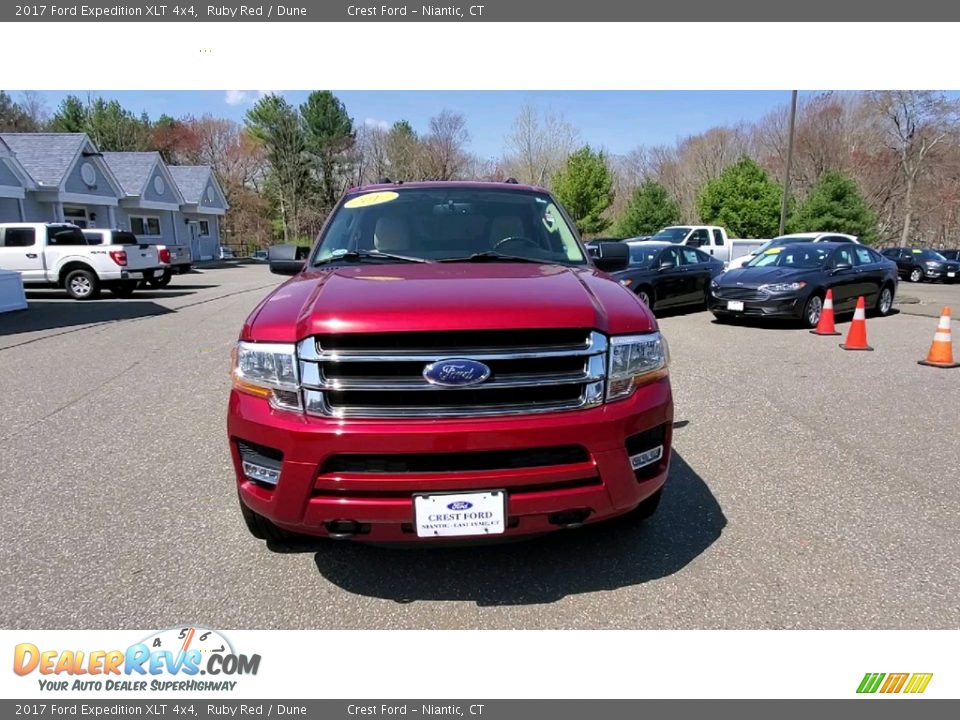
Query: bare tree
{"points": [[35, 107], [916, 123], [443, 150], [538, 145], [371, 162]]}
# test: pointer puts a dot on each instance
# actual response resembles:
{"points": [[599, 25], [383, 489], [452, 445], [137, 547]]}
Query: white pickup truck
{"points": [[58, 255], [711, 239], [157, 277]]}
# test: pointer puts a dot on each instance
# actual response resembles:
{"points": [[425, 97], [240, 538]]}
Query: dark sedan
{"points": [[665, 275], [918, 264], [792, 281]]}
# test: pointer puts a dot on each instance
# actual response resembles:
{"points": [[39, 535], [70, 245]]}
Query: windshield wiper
{"points": [[492, 256], [361, 255]]}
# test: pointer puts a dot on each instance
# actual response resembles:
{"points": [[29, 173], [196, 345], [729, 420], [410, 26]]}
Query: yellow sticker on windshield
{"points": [[371, 199], [918, 251], [772, 251]]}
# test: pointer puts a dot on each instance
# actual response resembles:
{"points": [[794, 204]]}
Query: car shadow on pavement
{"points": [[68, 313], [780, 323], [680, 311], [606, 556], [173, 287]]}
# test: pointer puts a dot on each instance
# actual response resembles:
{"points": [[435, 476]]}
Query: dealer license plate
{"points": [[460, 514], [735, 305], [951, 274]]}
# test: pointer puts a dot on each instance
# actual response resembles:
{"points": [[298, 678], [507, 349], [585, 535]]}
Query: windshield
{"points": [[643, 257], [672, 234], [439, 223], [932, 255], [794, 256], [779, 242]]}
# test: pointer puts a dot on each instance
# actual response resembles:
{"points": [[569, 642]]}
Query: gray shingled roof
{"points": [[132, 169], [192, 180], [46, 156]]}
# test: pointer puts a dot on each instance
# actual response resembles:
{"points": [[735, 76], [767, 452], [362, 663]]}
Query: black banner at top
{"points": [[538, 11]]}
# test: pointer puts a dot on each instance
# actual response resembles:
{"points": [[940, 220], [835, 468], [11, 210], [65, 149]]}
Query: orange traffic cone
{"points": [[825, 325], [857, 336], [941, 351]]}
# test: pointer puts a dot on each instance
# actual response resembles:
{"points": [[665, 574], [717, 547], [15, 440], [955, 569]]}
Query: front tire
{"points": [[263, 529], [885, 301], [648, 507], [916, 275], [645, 295], [82, 285], [812, 310]]}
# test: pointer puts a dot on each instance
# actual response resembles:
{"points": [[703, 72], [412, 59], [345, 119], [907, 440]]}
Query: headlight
{"points": [[932, 264], [713, 282], [267, 370], [634, 360], [782, 287]]}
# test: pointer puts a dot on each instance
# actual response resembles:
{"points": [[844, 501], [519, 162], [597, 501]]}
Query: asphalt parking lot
{"points": [[810, 488]]}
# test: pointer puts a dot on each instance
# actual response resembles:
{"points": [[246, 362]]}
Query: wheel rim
{"points": [[886, 300], [644, 298], [814, 308], [80, 285], [916, 275]]}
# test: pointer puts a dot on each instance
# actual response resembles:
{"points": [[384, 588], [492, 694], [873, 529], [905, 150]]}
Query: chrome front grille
{"points": [[735, 293], [381, 375]]}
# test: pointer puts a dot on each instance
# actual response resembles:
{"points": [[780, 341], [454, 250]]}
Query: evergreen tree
{"points": [[585, 187]]}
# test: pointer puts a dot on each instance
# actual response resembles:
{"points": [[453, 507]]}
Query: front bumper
{"points": [[790, 306], [308, 497], [945, 274]]}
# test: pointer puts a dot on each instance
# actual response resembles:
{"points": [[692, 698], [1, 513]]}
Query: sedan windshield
{"points": [[455, 224], [779, 242], [672, 234], [795, 256]]}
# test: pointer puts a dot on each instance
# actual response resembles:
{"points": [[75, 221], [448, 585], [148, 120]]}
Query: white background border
{"points": [[495, 664], [491, 56]]}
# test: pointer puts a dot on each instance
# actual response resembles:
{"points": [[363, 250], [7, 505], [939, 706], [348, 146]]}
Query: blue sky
{"points": [[615, 120]]}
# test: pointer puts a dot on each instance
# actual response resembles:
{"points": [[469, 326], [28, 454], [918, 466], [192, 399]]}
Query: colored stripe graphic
{"points": [[894, 683], [870, 682], [918, 682]]}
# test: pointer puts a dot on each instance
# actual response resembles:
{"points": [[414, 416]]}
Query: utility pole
{"points": [[786, 174]]}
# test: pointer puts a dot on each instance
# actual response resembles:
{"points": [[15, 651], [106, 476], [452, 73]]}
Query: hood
{"points": [[753, 277], [438, 297]]}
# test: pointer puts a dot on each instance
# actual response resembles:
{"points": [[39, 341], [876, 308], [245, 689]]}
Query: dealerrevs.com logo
{"points": [[178, 659]]}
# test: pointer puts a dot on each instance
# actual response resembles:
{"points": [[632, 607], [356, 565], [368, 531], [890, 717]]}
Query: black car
{"points": [[665, 275], [792, 281], [919, 264]]}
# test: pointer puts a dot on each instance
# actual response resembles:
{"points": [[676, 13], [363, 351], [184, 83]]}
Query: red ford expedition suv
{"points": [[447, 361]]}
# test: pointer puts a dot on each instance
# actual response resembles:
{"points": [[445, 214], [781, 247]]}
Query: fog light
{"points": [[646, 457], [260, 473]]}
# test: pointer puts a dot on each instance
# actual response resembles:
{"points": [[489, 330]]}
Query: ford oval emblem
{"points": [[456, 372], [460, 505]]}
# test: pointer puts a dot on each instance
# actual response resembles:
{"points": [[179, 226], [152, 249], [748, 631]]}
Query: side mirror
{"points": [[286, 259], [610, 256], [666, 265], [842, 266]]}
